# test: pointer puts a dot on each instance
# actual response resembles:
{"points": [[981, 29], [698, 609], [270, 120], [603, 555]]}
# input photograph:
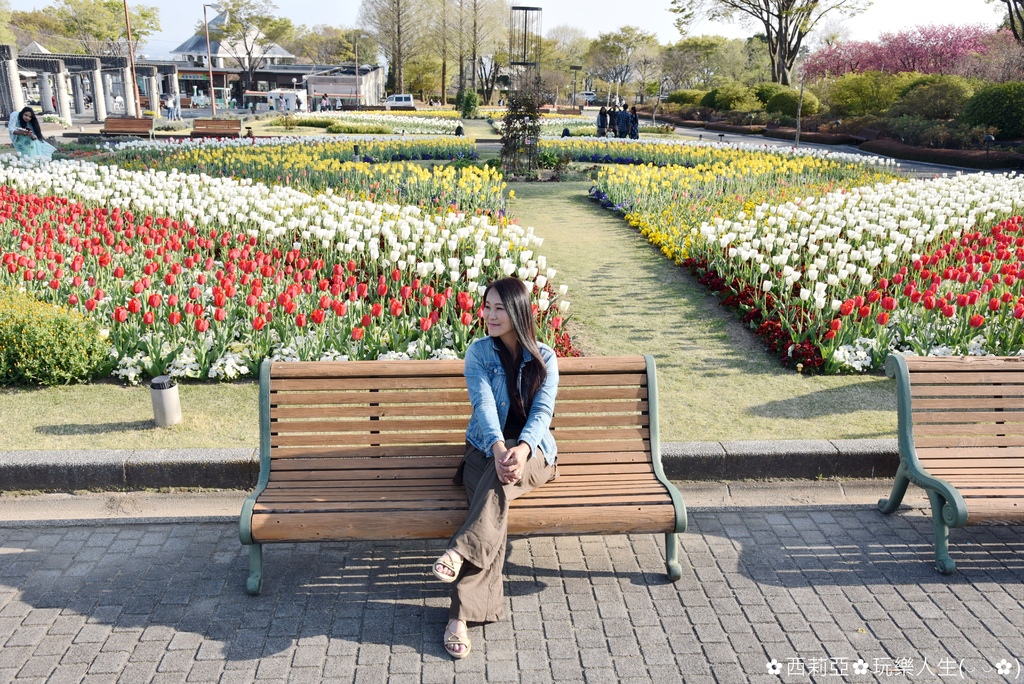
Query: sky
{"points": [[179, 17]]}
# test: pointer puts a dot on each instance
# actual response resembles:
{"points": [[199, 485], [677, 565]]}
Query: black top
{"points": [[517, 412]]}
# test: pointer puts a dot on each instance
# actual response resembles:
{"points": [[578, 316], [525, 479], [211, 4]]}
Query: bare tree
{"points": [[397, 26], [250, 30], [1014, 17], [786, 23], [444, 37]]}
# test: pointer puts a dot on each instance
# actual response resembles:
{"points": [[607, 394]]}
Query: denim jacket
{"points": [[485, 379]]}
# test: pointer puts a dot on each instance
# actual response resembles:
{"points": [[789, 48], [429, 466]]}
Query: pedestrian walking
{"points": [[622, 123], [602, 122], [634, 124], [510, 451], [325, 103]]}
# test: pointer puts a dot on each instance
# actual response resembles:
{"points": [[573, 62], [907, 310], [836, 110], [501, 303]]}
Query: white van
{"points": [[404, 100]]}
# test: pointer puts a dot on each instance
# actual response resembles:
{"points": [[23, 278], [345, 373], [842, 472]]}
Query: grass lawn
{"points": [[107, 415], [716, 381]]}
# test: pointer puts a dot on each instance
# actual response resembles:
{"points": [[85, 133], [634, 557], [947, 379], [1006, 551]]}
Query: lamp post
{"points": [[575, 72], [131, 60], [355, 44], [209, 59]]}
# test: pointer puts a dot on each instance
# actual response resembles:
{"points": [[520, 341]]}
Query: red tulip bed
{"points": [[837, 283], [210, 299]]}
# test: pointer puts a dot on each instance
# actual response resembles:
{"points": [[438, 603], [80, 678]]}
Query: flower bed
{"points": [[584, 126], [686, 153], [840, 281], [418, 125], [203, 277]]}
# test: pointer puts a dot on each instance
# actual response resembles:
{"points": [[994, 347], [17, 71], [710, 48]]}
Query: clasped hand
{"points": [[510, 463]]}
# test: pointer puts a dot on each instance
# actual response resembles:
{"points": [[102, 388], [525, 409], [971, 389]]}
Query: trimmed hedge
{"points": [[45, 344], [1000, 105], [685, 97], [974, 159], [786, 102]]}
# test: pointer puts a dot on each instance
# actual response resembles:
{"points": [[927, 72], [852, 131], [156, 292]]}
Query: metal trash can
{"points": [[166, 406]]}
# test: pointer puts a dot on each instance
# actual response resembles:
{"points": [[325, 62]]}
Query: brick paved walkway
{"points": [[801, 585]]}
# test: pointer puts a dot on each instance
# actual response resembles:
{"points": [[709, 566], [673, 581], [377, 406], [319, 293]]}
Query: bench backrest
{"points": [[378, 409], [128, 124], [967, 414], [217, 125]]}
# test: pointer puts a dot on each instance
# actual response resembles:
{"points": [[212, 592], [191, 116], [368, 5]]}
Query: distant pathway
{"points": [[716, 381]]}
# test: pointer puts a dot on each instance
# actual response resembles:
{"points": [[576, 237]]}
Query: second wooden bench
{"points": [[216, 128], [961, 439]]}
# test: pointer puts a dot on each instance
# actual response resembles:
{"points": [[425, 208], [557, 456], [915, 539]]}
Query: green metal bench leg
{"points": [[943, 563], [255, 583], [675, 570], [899, 489]]}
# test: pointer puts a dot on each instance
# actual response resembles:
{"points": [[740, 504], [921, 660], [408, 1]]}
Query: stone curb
{"points": [[239, 468]]}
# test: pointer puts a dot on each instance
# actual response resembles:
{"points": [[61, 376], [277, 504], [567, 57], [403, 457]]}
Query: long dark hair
{"points": [[33, 123], [516, 299]]}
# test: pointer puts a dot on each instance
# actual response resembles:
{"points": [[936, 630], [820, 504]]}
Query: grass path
{"points": [[716, 381]]}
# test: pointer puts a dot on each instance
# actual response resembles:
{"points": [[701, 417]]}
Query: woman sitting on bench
{"points": [[512, 381]]}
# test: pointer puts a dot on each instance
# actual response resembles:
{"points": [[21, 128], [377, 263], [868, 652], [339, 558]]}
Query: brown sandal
{"points": [[450, 561], [452, 640]]}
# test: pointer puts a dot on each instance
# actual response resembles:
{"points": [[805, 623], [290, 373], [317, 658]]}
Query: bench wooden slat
{"points": [[967, 441], [458, 425], [392, 438], [377, 474], [964, 363], [432, 505], [592, 459], [993, 377], [442, 410], [967, 429], [561, 487], [967, 391], [461, 396], [441, 524], [982, 417], [959, 403], [440, 382], [439, 449], [346, 369]]}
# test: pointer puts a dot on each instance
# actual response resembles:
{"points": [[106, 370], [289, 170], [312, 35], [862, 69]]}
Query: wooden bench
{"points": [[961, 439], [127, 125], [186, 103], [366, 450], [216, 128]]}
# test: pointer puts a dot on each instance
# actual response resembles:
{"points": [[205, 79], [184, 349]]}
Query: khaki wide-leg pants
{"points": [[479, 594]]}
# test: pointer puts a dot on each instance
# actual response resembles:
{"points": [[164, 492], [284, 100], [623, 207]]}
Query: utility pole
{"points": [[209, 62], [131, 59]]}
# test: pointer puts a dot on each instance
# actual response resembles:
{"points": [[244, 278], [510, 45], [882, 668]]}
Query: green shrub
{"points": [[470, 105], [922, 132], [1000, 106], [787, 101], [372, 129], [735, 96], [766, 91], [870, 92], [685, 97], [934, 97], [710, 99], [44, 344]]}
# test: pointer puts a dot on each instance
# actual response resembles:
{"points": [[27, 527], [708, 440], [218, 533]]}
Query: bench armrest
{"points": [[955, 512], [245, 519], [659, 470]]}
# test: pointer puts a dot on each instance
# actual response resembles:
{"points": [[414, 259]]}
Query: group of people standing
{"points": [[623, 122]]}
